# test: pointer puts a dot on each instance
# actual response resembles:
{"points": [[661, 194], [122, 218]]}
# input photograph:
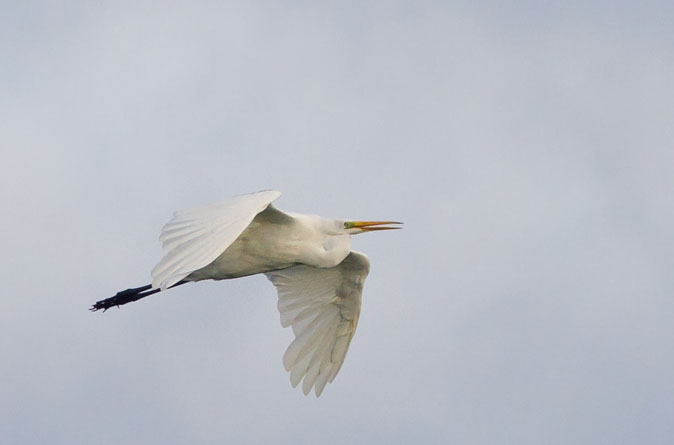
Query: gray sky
{"points": [[528, 148]]}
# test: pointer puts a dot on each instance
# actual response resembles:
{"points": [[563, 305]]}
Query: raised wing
{"points": [[194, 238], [322, 306]]}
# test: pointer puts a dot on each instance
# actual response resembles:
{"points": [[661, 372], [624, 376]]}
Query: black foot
{"points": [[127, 296], [123, 297]]}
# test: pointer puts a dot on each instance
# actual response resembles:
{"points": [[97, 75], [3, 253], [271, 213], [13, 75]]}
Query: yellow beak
{"points": [[370, 226]]}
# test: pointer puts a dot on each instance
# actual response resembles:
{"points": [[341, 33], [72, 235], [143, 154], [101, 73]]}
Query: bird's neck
{"points": [[335, 249]]}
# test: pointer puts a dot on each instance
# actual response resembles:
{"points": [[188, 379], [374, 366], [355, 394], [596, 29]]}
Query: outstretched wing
{"points": [[194, 238], [322, 306]]}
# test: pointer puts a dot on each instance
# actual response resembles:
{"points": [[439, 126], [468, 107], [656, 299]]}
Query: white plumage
{"points": [[308, 258], [322, 306], [195, 238]]}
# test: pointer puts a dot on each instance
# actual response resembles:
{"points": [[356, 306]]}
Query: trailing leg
{"points": [[128, 296]]}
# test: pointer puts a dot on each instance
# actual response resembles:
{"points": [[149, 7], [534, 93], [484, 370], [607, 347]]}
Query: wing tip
{"points": [[270, 192]]}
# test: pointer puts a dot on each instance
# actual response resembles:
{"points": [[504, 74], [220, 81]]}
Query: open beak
{"points": [[371, 226]]}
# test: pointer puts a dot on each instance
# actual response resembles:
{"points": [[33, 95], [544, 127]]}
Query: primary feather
{"points": [[322, 306], [194, 238]]}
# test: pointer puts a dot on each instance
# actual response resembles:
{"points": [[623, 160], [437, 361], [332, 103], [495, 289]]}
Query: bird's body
{"points": [[308, 258], [276, 240]]}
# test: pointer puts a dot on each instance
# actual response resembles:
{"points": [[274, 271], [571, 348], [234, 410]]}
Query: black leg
{"points": [[128, 296]]}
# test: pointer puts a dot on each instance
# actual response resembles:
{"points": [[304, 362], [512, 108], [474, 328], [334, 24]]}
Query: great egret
{"points": [[308, 258]]}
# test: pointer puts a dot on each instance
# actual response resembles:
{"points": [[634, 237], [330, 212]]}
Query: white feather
{"points": [[322, 306], [194, 238]]}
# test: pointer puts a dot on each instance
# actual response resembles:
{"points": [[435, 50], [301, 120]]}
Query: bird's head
{"points": [[355, 227]]}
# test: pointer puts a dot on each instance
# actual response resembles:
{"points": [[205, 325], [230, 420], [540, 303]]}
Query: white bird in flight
{"points": [[308, 258]]}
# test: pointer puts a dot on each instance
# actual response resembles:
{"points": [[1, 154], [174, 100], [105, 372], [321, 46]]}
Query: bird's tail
{"points": [[128, 296]]}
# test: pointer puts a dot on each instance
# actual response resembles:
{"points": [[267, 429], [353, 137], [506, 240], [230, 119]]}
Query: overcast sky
{"points": [[528, 148]]}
